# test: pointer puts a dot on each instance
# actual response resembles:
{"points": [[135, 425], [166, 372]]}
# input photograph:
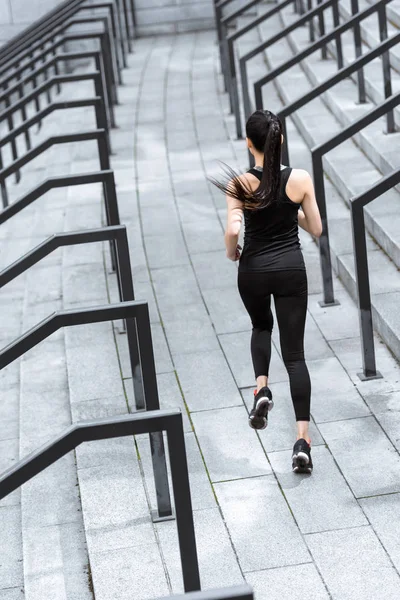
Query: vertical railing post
{"points": [[183, 506], [221, 43], [321, 25], [111, 207], [150, 401], [56, 69], [362, 98], [245, 89], [363, 292], [285, 144], [133, 18], [336, 23], [233, 84], [387, 77], [324, 247], [312, 30]]}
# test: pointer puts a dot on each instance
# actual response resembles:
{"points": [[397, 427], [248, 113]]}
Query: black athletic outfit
{"points": [[272, 263]]}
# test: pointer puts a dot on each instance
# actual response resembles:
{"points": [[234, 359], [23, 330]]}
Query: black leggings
{"points": [[289, 289]]}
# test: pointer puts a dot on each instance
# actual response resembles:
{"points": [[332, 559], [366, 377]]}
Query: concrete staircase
{"points": [[79, 521], [355, 165]]}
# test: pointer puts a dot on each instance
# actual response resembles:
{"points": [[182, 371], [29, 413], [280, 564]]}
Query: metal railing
{"points": [[152, 422], [99, 79], [228, 64], [230, 51], [222, 23], [98, 135], [50, 20], [289, 109], [380, 8], [241, 592], [107, 51], [24, 128], [357, 205], [49, 33], [141, 358], [320, 44], [317, 154], [103, 66], [106, 178]]}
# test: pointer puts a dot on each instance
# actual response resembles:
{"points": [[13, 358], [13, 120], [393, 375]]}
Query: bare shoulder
{"points": [[298, 184], [300, 176]]}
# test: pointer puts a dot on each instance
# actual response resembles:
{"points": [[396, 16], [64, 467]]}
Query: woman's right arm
{"points": [[309, 218]]}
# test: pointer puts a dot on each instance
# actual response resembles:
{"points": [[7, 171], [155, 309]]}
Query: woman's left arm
{"points": [[234, 221]]}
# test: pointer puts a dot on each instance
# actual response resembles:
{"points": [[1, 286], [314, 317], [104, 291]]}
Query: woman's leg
{"points": [[291, 298], [253, 289]]}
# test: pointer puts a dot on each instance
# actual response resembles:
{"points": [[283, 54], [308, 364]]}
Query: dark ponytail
{"points": [[264, 129]]}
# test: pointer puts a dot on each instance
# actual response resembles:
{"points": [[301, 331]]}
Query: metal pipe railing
{"points": [[24, 127], [222, 28], [132, 310], [233, 82], [98, 135], [289, 109], [30, 40], [258, 85], [101, 66], [114, 234], [106, 178], [317, 154], [117, 236], [105, 47], [154, 423], [357, 205]]}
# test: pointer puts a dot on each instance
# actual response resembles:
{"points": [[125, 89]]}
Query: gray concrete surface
{"points": [[86, 530]]}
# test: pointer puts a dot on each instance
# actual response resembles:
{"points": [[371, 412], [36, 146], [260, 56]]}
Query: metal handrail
{"points": [[302, 20], [99, 135], [289, 109], [24, 127], [353, 21], [101, 66], [241, 592], [115, 233], [152, 422], [105, 177], [38, 43], [105, 44], [357, 205], [96, 102], [117, 236], [228, 58], [144, 370], [222, 23], [33, 30], [49, 21], [317, 154]]}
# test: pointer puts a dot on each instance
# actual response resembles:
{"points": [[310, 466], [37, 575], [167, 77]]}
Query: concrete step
{"points": [[94, 530]]}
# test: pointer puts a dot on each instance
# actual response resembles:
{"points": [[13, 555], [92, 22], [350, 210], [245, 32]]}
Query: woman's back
{"points": [[271, 240]]}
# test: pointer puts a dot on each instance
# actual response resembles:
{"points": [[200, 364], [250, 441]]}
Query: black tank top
{"points": [[271, 237]]}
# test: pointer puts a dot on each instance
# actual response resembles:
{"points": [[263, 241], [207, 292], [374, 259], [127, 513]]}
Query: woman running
{"points": [[269, 197]]}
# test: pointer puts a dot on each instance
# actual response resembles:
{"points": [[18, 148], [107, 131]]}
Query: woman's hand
{"points": [[237, 254]]}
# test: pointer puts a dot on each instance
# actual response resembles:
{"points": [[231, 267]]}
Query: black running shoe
{"points": [[263, 403], [301, 458]]}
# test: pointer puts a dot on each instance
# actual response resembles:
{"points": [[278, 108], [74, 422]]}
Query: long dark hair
{"points": [[264, 129]]}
